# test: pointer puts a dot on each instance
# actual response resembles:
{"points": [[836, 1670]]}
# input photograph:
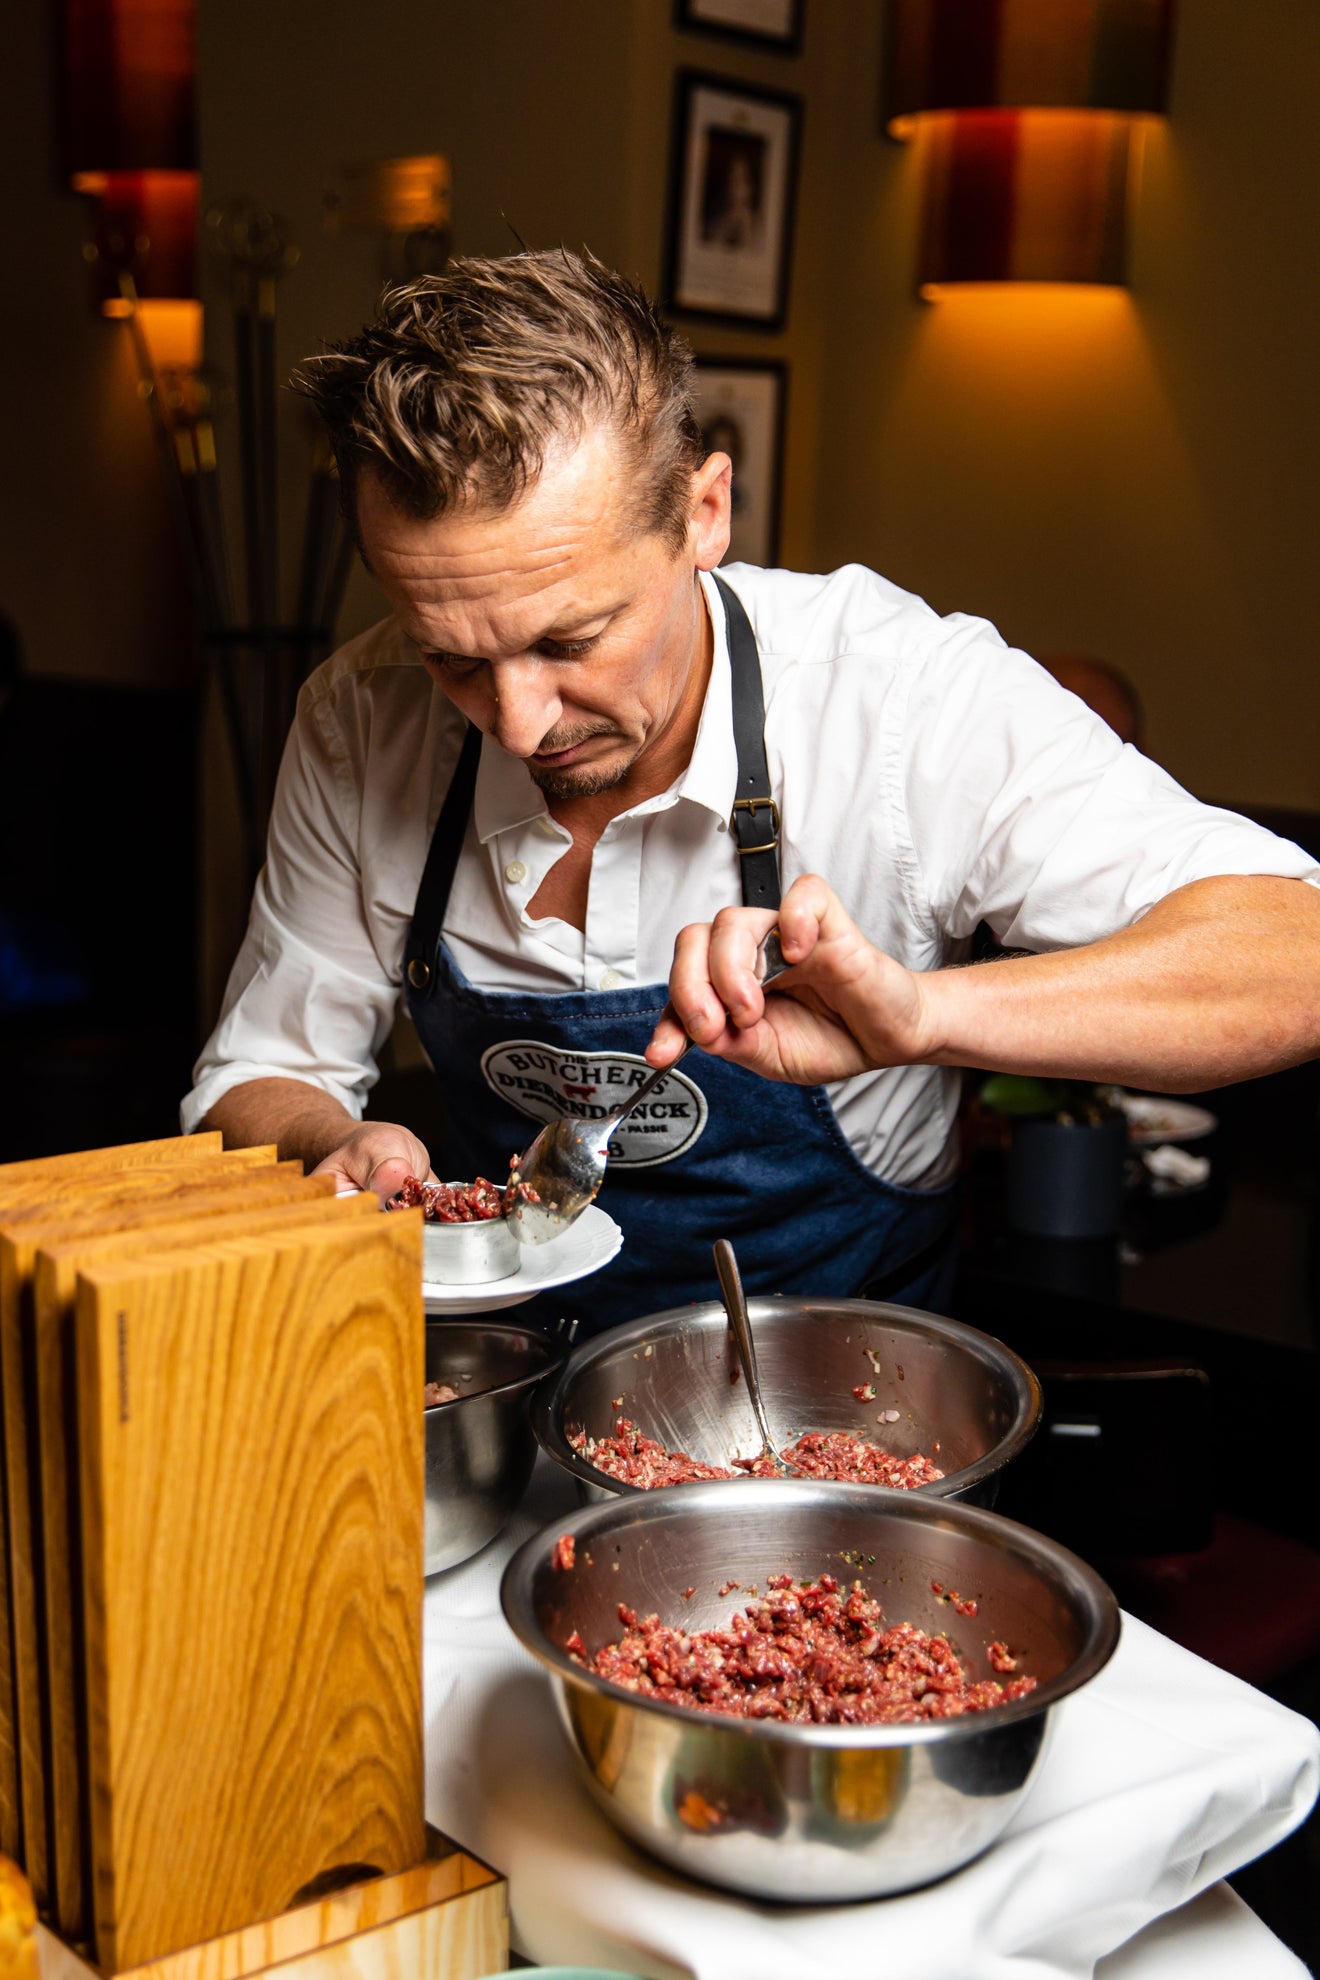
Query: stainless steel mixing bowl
{"points": [[672, 1374], [808, 1813], [479, 1450]]}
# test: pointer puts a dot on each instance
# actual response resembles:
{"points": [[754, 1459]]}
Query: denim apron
{"points": [[716, 1151]]}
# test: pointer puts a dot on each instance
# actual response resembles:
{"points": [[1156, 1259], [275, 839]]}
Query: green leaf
{"points": [[1018, 1093]]}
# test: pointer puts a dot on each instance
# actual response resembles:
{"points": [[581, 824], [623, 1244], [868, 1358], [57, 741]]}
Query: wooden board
{"points": [[174, 1147], [97, 1184], [446, 1918], [14, 1177], [252, 1499], [257, 1202]]}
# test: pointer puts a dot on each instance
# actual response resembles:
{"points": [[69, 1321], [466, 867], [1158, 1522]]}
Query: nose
{"points": [[525, 704]]}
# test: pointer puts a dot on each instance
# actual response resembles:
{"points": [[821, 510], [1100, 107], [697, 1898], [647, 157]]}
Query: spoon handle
{"points": [[735, 1305]]}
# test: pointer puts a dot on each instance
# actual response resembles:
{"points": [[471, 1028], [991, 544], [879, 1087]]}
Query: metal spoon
{"points": [[565, 1165], [735, 1305]]}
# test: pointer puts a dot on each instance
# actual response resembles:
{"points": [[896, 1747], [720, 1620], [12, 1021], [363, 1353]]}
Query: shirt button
{"points": [[610, 979], [546, 826], [514, 872]]}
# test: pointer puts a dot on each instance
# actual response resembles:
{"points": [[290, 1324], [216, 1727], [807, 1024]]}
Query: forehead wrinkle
{"points": [[484, 627]]}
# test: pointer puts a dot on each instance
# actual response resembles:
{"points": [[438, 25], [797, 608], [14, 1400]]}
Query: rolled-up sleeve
{"points": [[1027, 812], [309, 996]]}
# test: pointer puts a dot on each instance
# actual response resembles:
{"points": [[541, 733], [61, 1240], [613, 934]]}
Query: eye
{"points": [[566, 649], [458, 666]]}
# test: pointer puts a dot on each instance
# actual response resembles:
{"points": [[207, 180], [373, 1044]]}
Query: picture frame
{"points": [[733, 195], [768, 24], [740, 405]]}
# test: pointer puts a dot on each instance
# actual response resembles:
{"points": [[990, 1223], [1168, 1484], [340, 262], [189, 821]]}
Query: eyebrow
{"points": [[559, 636]]}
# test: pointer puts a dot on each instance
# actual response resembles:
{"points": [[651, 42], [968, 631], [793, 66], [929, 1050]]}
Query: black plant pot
{"points": [[1064, 1180]]}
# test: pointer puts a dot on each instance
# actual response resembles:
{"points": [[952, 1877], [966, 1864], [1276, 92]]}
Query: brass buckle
{"points": [[754, 805]]}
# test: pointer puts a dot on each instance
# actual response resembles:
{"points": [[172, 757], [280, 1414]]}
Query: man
{"points": [[1104, 688], [571, 741]]}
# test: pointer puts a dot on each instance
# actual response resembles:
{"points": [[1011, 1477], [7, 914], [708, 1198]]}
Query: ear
{"points": [[709, 514]]}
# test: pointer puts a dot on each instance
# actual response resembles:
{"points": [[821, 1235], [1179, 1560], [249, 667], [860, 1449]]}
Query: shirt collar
{"points": [[507, 797]]}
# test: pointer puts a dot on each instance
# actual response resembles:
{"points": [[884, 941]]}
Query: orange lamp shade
{"points": [[144, 225], [1027, 115], [1025, 54], [129, 86], [1024, 196]]}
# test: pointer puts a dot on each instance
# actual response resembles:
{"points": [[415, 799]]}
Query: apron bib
{"points": [[716, 1151]]}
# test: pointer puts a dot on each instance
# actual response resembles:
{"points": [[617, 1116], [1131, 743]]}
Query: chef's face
{"points": [[573, 638]]}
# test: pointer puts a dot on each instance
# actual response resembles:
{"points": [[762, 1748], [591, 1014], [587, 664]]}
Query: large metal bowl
{"points": [[672, 1374], [479, 1450], [808, 1813]]}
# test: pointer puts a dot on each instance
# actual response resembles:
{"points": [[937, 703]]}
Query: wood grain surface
{"points": [[100, 1183], [131, 1155], [446, 1918], [260, 1200], [252, 1499], [14, 1178]]}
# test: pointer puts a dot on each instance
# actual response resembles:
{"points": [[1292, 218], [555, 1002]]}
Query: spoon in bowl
{"points": [[735, 1305], [564, 1167]]}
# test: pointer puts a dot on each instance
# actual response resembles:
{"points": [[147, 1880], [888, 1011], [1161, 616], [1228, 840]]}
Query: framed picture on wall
{"points": [[734, 186], [767, 23], [740, 409]]}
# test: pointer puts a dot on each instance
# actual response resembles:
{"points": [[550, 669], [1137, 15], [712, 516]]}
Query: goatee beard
{"points": [[588, 781], [578, 780]]}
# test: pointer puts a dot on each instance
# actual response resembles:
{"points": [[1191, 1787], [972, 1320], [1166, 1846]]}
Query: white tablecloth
{"points": [[1163, 1776]]}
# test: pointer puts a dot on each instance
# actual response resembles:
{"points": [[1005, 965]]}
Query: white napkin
{"points": [[1163, 1775]]}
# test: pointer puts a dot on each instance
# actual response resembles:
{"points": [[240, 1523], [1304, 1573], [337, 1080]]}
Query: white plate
{"points": [[586, 1245], [1152, 1118]]}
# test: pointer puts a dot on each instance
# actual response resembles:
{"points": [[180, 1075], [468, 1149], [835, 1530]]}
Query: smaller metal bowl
{"points": [[469, 1254], [672, 1374], [479, 1450], [788, 1812]]}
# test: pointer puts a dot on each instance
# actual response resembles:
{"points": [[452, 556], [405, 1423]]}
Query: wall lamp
{"points": [[129, 74], [1028, 115]]}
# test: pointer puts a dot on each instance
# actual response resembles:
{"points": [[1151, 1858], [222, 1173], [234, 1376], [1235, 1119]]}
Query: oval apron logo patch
{"points": [[549, 1081]]}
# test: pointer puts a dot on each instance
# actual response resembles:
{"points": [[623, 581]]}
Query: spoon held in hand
{"points": [[564, 1167]]}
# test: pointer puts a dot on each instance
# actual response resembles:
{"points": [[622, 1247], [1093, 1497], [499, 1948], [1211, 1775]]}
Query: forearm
{"points": [[305, 1123], [1219, 982]]}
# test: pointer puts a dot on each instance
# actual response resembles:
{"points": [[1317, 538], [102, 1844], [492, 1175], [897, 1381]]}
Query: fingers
{"points": [[810, 913], [378, 1156], [713, 986], [667, 1040], [388, 1176]]}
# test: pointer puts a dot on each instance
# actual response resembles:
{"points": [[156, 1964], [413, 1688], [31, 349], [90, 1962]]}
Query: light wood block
{"points": [[252, 1523], [255, 1203], [11, 1827], [131, 1155], [14, 1178], [111, 1176], [445, 1919], [96, 1185]]}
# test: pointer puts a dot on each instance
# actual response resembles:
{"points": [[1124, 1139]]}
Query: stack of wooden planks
{"points": [[211, 1376]]}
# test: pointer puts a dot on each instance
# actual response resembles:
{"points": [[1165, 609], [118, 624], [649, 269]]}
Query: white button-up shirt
{"points": [[934, 776]]}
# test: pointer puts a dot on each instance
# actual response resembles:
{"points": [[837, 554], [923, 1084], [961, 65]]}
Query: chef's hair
{"points": [[466, 379]]}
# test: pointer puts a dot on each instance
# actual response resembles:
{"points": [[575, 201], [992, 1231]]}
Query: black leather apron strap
{"points": [[441, 864], [754, 820], [755, 817]]}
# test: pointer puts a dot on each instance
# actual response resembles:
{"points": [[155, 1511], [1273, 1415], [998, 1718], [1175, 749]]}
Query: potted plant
{"points": [[1066, 1154]]}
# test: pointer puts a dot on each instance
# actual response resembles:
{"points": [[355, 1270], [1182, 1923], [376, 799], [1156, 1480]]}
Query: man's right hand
{"points": [[377, 1156], [846, 1008]]}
